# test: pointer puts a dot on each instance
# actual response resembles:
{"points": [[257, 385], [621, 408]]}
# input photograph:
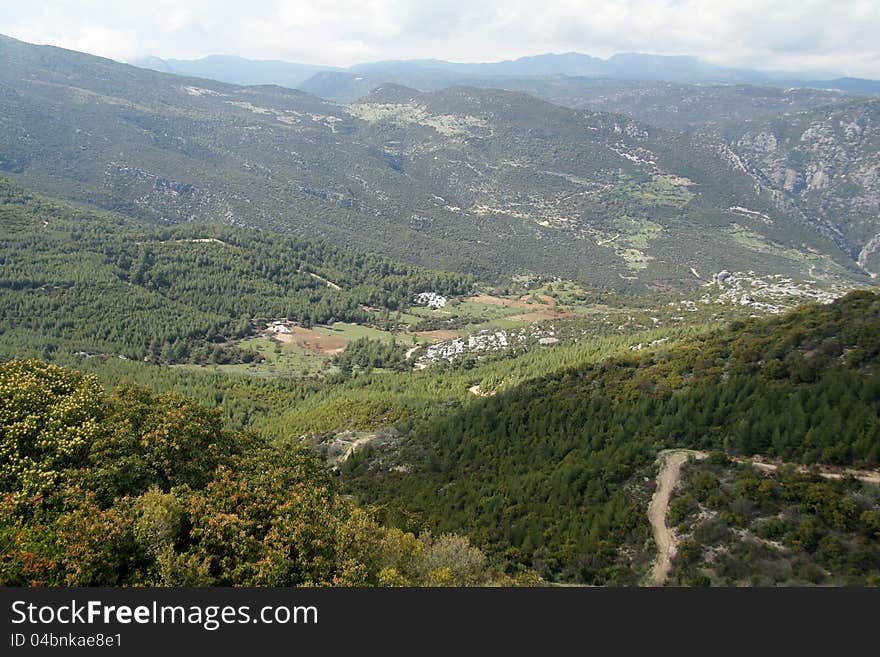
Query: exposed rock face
{"points": [[817, 178], [764, 142], [826, 163], [792, 181], [486, 342], [766, 294], [866, 255], [431, 299]]}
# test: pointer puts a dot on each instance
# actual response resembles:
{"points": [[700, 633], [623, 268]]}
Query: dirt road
{"points": [[670, 461], [828, 472]]}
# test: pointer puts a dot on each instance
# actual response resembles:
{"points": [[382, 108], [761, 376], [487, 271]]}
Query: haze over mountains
{"points": [[236, 70], [430, 74]]}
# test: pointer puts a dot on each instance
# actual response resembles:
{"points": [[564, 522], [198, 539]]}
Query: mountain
{"points": [[675, 106], [594, 316], [651, 88], [550, 64], [761, 94], [622, 66], [488, 182], [176, 294], [849, 85], [235, 70], [153, 63], [826, 163]]}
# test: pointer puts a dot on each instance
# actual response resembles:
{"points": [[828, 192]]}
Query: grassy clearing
{"points": [[666, 190], [755, 242], [486, 310], [278, 360], [661, 190], [412, 317], [490, 312], [351, 332], [637, 233], [446, 124]]}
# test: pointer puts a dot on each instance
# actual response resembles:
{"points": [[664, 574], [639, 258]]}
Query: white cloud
{"points": [[770, 34]]}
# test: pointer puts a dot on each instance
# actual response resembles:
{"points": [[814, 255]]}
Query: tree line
{"points": [[75, 280]]}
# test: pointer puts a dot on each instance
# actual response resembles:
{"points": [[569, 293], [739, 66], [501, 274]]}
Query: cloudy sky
{"points": [[820, 35]]}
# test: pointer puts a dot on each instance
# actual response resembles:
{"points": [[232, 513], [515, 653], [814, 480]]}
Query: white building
{"points": [[431, 299]]}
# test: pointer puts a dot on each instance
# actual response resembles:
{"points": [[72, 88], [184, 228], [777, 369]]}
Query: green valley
{"points": [[527, 330]]}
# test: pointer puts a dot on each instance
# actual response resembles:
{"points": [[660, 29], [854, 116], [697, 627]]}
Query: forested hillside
{"points": [[78, 280], [481, 181], [552, 473], [253, 337], [542, 457], [744, 526], [134, 489]]}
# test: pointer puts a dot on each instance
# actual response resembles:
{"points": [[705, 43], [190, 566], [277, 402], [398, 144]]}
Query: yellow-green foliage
{"points": [[131, 488], [48, 417], [380, 400]]}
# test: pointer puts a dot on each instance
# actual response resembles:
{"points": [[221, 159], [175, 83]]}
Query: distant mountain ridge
{"points": [[621, 66], [236, 70], [483, 181]]}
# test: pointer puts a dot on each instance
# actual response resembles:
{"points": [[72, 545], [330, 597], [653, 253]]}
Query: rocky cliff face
{"points": [[827, 163]]}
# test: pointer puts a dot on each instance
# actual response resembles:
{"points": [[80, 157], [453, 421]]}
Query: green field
{"points": [[291, 360], [351, 332], [278, 360]]}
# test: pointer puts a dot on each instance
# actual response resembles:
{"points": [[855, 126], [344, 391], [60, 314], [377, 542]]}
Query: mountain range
{"points": [[676, 92], [673, 105], [484, 181], [458, 335], [622, 66]]}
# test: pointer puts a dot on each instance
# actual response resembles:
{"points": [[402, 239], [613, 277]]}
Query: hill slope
{"points": [[826, 162], [75, 280], [487, 182], [553, 473], [671, 105], [136, 489]]}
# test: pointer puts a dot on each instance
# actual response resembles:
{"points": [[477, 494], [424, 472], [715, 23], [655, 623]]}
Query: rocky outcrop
{"points": [[872, 247], [824, 165]]}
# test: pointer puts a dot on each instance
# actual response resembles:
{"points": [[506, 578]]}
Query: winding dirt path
{"points": [[827, 472], [670, 461]]}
